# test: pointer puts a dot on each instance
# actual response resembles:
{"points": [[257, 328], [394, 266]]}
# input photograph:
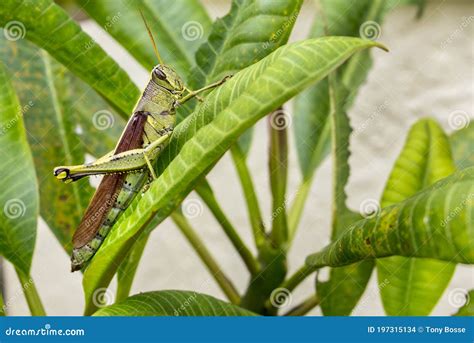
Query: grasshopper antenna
{"points": [[151, 37]]}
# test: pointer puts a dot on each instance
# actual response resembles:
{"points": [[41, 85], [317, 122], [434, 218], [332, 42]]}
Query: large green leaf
{"points": [[313, 124], [18, 185], [172, 303], [434, 223], [50, 121], [179, 28], [49, 26], [413, 286], [98, 126], [249, 32], [128, 268], [311, 110], [346, 282], [462, 145], [203, 138], [317, 110]]}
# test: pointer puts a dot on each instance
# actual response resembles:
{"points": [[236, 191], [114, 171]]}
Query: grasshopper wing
{"points": [[110, 187]]}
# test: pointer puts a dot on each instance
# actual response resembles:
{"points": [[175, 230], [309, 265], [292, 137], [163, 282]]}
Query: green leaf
{"points": [[346, 282], [311, 109], [18, 184], [349, 282], [204, 137], [45, 86], [172, 303], [312, 125], [98, 126], [434, 223], [49, 26], [462, 145], [413, 286], [128, 268], [179, 28], [468, 308], [249, 32]]}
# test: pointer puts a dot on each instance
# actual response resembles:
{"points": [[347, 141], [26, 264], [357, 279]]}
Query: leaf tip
{"points": [[381, 46]]}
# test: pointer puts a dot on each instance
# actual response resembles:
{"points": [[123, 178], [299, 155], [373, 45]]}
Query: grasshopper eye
{"points": [[159, 74]]}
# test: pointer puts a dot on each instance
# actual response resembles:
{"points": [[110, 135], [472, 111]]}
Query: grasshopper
{"points": [[128, 168]]}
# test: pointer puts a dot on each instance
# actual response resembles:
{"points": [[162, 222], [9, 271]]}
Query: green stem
{"points": [[31, 294], [198, 245], [278, 171], [296, 209], [207, 195], [253, 207], [299, 276], [3, 311], [304, 307]]}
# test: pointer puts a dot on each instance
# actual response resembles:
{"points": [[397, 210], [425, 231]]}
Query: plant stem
{"points": [[296, 210], [3, 311], [198, 245], [303, 308], [253, 207], [278, 172], [294, 280], [207, 195], [31, 294]]}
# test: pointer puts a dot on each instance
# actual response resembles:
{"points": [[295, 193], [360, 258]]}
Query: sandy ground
{"points": [[428, 72]]}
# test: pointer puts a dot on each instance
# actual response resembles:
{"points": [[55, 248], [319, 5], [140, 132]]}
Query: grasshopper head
{"points": [[167, 78]]}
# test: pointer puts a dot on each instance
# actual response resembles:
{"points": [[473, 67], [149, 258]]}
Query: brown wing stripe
{"points": [[110, 187]]}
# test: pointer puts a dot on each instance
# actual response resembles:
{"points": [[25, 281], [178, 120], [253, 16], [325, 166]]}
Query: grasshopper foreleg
{"points": [[194, 94]]}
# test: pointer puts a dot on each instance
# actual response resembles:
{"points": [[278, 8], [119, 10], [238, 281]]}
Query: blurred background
{"points": [[428, 72]]}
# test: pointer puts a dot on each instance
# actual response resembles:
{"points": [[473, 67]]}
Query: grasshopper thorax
{"points": [[166, 77]]}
